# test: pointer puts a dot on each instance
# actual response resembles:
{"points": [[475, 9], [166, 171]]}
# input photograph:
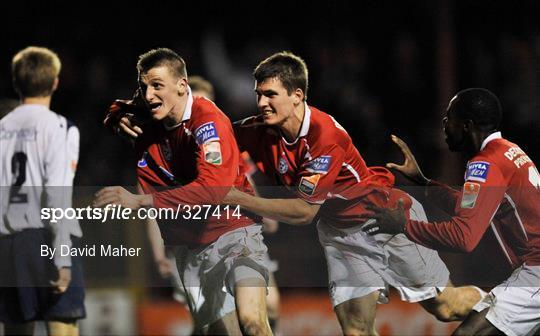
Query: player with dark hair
{"points": [[501, 192], [188, 159], [311, 154], [39, 157]]}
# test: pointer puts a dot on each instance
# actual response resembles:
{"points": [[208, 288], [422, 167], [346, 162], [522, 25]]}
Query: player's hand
{"points": [[165, 268], [126, 117], [270, 225], [232, 197], [410, 167], [120, 196], [62, 283], [391, 221]]}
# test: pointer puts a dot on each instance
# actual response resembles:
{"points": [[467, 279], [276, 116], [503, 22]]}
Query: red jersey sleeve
{"points": [[317, 175], [442, 195], [478, 202], [217, 165]]}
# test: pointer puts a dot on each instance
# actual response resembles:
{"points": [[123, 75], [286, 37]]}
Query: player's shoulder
{"points": [[204, 106], [324, 129], [499, 151]]}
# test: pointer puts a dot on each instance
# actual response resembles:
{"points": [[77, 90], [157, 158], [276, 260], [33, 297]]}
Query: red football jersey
{"points": [[321, 166], [192, 164], [501, 191]]}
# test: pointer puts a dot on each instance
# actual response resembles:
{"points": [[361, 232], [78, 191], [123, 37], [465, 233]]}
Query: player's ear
{"points": [[55, 84], [181, 86], [298, 96]]}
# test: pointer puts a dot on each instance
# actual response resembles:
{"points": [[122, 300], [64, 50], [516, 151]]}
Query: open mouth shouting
{"points": [[154, 107]]}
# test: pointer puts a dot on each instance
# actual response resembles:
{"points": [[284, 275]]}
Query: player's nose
{"points": [[149, 94]]}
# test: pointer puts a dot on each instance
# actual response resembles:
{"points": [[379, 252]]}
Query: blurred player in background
{"points": [[39, 154], [501, 191], [189, 157], [164, 258], [311, 154]]}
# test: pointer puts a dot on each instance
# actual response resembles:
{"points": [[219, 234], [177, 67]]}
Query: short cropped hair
{"points": [[290, 69], [34, 70], [481, 106], [162, 57], [197, 83]]}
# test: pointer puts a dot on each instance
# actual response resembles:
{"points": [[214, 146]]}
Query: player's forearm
{"points": [[442, 195], [291, 211], [454, 235]]}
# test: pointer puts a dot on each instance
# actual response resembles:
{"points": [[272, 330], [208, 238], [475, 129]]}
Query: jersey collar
{"points": [[492, 136], [304, 128], [187, 110], [306, 121]]}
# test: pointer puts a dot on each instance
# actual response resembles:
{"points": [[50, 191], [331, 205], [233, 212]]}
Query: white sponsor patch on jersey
{"points": [[206, 133], [319, 165], [477, 171], [212, 152]]}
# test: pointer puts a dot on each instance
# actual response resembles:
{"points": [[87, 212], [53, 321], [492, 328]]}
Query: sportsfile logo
{"points": [[205, 133], [319, 165], [477, 171]]}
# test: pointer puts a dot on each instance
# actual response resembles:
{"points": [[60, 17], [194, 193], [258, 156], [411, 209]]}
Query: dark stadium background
{"points": [[379, 67]]}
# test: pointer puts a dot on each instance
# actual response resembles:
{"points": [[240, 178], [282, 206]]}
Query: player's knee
{"points": [[358, 327], [444, 313], [253, 322]]}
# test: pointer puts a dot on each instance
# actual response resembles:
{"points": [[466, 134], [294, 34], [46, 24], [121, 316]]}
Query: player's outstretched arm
{"points": [[294, 211], [410, 167]]}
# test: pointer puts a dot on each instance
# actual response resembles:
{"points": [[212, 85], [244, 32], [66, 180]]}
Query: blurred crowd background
{"points": [[379, 67]]}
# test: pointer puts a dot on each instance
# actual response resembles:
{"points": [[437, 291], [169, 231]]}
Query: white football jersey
{"points": [[38, 156]]}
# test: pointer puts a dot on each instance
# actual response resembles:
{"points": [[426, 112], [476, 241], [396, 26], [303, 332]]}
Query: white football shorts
{"points": [[514, 305], [359, 264]]}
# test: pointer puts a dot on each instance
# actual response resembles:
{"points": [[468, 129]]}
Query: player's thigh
{"points": [[227, 325], [58, 328], [272, 299], [358, 313]]}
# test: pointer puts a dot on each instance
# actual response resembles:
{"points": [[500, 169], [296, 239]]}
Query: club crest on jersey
{"points": [[308, 184], [212, 152], [206, 133], [142, 162], [477, 171], [283, 166], [319, 165], [471, 191]]}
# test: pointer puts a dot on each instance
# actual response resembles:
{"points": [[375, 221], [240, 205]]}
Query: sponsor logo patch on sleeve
{"points": [[470, 194], [308, 184], [319, 165], [212, 152], [477, 171], [206, 133]]}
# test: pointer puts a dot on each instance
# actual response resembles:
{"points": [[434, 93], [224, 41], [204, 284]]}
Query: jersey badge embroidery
{"points": [[470, 194], [142, 162], [212, 153], [282, 165], [308, 184]]}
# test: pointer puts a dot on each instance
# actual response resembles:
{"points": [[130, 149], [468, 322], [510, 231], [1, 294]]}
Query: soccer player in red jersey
{"points": [[501, 192], [310, 153], [189, 160]]}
